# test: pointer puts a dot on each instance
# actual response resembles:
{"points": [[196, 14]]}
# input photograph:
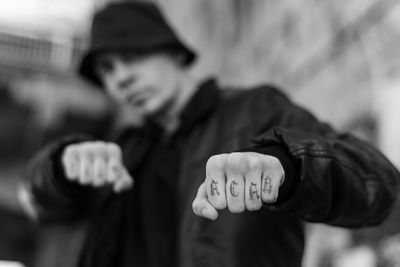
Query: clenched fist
{"points": [[96, 164], [239, 181]]}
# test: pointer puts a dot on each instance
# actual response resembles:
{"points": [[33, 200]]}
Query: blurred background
{"points": [[338, 58]]}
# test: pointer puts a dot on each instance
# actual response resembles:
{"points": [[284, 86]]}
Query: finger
{"points": [[215, 181], [272, 178], [115, 166], [71, 163], [100, 164], [201, 207], [86, 174], [100, 167], [124, 183], [253, 177], [270, 187], [235, 189], [115, 171]]}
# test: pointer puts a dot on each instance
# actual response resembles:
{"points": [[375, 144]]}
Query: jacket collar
{"points": [[202, 103]]}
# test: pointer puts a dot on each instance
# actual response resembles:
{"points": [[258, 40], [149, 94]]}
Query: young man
{"points": [[202, 149]]}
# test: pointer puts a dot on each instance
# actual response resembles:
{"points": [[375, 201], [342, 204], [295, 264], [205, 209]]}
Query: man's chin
{"points": [[155, 115]]}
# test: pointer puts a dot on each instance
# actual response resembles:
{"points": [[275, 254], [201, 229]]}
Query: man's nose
{"points": [[123, 76]]}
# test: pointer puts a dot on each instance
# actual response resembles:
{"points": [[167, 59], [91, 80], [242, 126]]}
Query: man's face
{"points": [[149, 83]]}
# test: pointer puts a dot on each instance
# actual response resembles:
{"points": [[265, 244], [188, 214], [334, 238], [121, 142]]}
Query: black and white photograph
{"points": [[199, 133]]}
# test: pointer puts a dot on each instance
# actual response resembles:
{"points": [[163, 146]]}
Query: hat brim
{"points": [[87, 65]]}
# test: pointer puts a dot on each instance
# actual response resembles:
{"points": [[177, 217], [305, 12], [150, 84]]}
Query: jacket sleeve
{"points": [[45, 193], [338, 179]]}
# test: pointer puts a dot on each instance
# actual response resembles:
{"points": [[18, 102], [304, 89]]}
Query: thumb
{"points": [[201, 206], [124, 183]]}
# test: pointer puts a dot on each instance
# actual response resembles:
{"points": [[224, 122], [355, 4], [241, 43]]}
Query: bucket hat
{"points": [[139, 27]]}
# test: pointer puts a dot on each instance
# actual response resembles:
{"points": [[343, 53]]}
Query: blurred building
{"points": [[40, 99], [23, 53], [40, 46], [41, 36]]}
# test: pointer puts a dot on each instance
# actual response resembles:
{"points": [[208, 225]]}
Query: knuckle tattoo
{"points": [[213, 188], [267, 185], [253, 191], [232, 189]]}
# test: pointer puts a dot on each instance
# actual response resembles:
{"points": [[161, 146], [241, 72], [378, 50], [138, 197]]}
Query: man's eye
{"points": [[129, 57], [104, 67]]}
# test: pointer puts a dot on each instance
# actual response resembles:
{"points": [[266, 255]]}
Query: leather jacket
{"points": [[338, 179]]}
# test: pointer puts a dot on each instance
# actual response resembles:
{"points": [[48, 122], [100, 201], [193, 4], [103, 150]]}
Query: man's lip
{"points": [[137, 98]]}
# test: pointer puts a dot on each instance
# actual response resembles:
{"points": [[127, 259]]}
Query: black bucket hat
{"points": [[130, 26]]}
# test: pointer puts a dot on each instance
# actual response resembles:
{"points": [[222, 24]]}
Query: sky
{"points": [[64, 16]]}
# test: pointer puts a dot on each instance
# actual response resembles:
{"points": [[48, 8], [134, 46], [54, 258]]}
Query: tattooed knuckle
{"points": [[234, 189], [215, 191], [253, 192]]}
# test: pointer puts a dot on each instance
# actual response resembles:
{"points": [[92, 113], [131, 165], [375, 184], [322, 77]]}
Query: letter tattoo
{"points": [[232, 188], [267, 186], [253, 191], [214, 188]]}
